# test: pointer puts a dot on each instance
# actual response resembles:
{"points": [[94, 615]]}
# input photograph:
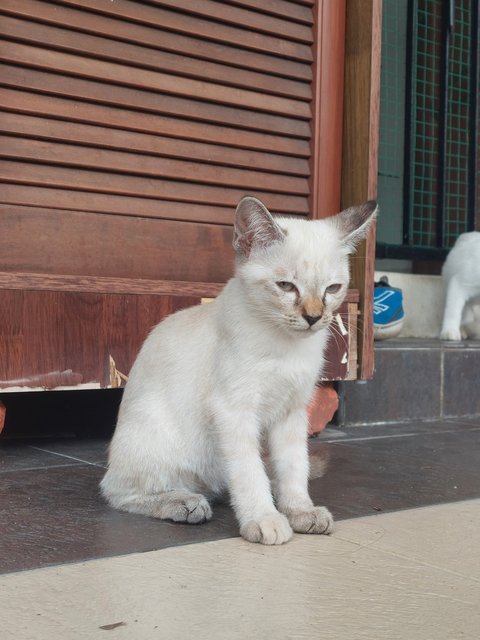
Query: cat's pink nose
{"points": [[311, 319]]}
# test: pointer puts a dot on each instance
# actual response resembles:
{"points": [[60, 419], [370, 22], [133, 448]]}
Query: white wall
{"points": [[423, 301]]}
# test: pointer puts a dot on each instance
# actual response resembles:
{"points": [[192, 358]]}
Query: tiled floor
{"points": [[413, 572]]}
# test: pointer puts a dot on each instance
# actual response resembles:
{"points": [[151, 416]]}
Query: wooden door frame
{"points": [[345, 130], [327, 114], [360, 149]]}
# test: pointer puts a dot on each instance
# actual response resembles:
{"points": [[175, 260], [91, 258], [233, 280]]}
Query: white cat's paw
{"points": [[451, 334], [314, 520], [184, 507], [271, 529]]}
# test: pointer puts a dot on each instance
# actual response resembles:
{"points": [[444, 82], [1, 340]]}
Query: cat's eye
{"points": [[286, 286], [333, 288]]}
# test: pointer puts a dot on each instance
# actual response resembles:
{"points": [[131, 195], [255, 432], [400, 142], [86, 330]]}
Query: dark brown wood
{"points": [[63, 177], [46, 152], [339, 359], [90, 244], [149, 58], [25, 281], [131, 130], [94, 136], [327, 108], [151, 101], [26, 102], [360, 149], [185, 24], [84, 284], [55, 345], [241, 17], [127, 31], [277, 8], [69, 200], [156, 81]]}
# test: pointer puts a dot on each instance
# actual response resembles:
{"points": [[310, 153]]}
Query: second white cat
{"points": [[461, 277]]}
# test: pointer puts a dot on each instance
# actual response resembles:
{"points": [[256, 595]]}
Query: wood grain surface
{"points": [[360, 149], [130, 131], [58, 336]]}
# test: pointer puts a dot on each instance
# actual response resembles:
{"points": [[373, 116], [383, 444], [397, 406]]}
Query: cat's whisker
{"points": [[335, 334]]}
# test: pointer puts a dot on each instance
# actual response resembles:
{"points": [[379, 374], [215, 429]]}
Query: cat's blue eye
{"points": [[333, 288], [286, 286]]}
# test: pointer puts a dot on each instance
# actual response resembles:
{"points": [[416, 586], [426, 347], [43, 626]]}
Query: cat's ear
{"points": [[355, 222], [254, 227]]}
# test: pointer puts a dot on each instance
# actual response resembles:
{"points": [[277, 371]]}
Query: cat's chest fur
{"points": [[262, 370]]}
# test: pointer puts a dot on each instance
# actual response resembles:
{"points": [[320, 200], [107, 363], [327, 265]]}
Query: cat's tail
{"points": [[319, 460], [318, 463]]}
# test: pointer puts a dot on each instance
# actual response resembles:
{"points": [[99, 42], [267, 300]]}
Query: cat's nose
{"points": [[311, 319]]}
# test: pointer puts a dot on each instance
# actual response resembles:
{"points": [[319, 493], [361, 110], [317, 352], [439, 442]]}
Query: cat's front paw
{"points": [[314, 520], [451, 334], [270, 529]]}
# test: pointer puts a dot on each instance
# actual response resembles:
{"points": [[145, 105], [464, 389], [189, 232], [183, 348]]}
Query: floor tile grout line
{"points": [[359, 439], [467, 421], [346, 440], [372, 547], [45, 468], [64, 455]]}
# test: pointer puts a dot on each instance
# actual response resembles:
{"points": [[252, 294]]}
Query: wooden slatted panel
{"points": [[61, 242], [290, 10], [46, 328], [217, 30], [145, 79], [157, 106], [148, 36], [129, 131], [241, 17], [75, 111], [42, 352], [84, 44]]}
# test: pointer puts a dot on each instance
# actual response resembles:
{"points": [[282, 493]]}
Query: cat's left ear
{"points": [[355, 222], [254, 227]]}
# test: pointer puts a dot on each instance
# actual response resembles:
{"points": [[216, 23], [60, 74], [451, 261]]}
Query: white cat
{"points": [[212, 381], [461, 276]]}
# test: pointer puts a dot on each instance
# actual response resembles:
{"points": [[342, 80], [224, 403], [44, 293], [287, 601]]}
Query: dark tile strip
{"points": [[53, 514]]}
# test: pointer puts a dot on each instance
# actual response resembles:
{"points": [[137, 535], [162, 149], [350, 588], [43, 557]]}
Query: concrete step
{"points": [[415, 379]]}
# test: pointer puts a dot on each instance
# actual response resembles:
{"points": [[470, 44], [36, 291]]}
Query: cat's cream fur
{"points": [[461, 277], [212, 381]]}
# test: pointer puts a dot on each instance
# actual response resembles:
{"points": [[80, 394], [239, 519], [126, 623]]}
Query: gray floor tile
{"points": [[54, 514]]}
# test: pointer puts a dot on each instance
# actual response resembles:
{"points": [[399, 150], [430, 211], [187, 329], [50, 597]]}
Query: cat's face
{"points": [[295, 272], [299, 282]]}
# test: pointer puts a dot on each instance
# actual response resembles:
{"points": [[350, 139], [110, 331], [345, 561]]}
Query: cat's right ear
{"points": [[355, 222], [254, 227]]}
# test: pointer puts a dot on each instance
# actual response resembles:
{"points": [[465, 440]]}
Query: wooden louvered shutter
{"points": [[129, 131], [168, 111]]}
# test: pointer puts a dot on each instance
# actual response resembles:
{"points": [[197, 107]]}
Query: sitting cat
{"points": [[461, 276], [212, 381]]}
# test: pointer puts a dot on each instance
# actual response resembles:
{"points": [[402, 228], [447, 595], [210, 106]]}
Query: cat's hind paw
{"points": [[181, 506], [315, 520], [271, 529]]}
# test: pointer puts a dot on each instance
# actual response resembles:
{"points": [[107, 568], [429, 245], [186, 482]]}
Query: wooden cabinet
{"points": [[85, 332], [129, 131]]}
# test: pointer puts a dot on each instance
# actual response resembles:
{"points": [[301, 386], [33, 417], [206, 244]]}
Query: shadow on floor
{"points": [[51, 511]]}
